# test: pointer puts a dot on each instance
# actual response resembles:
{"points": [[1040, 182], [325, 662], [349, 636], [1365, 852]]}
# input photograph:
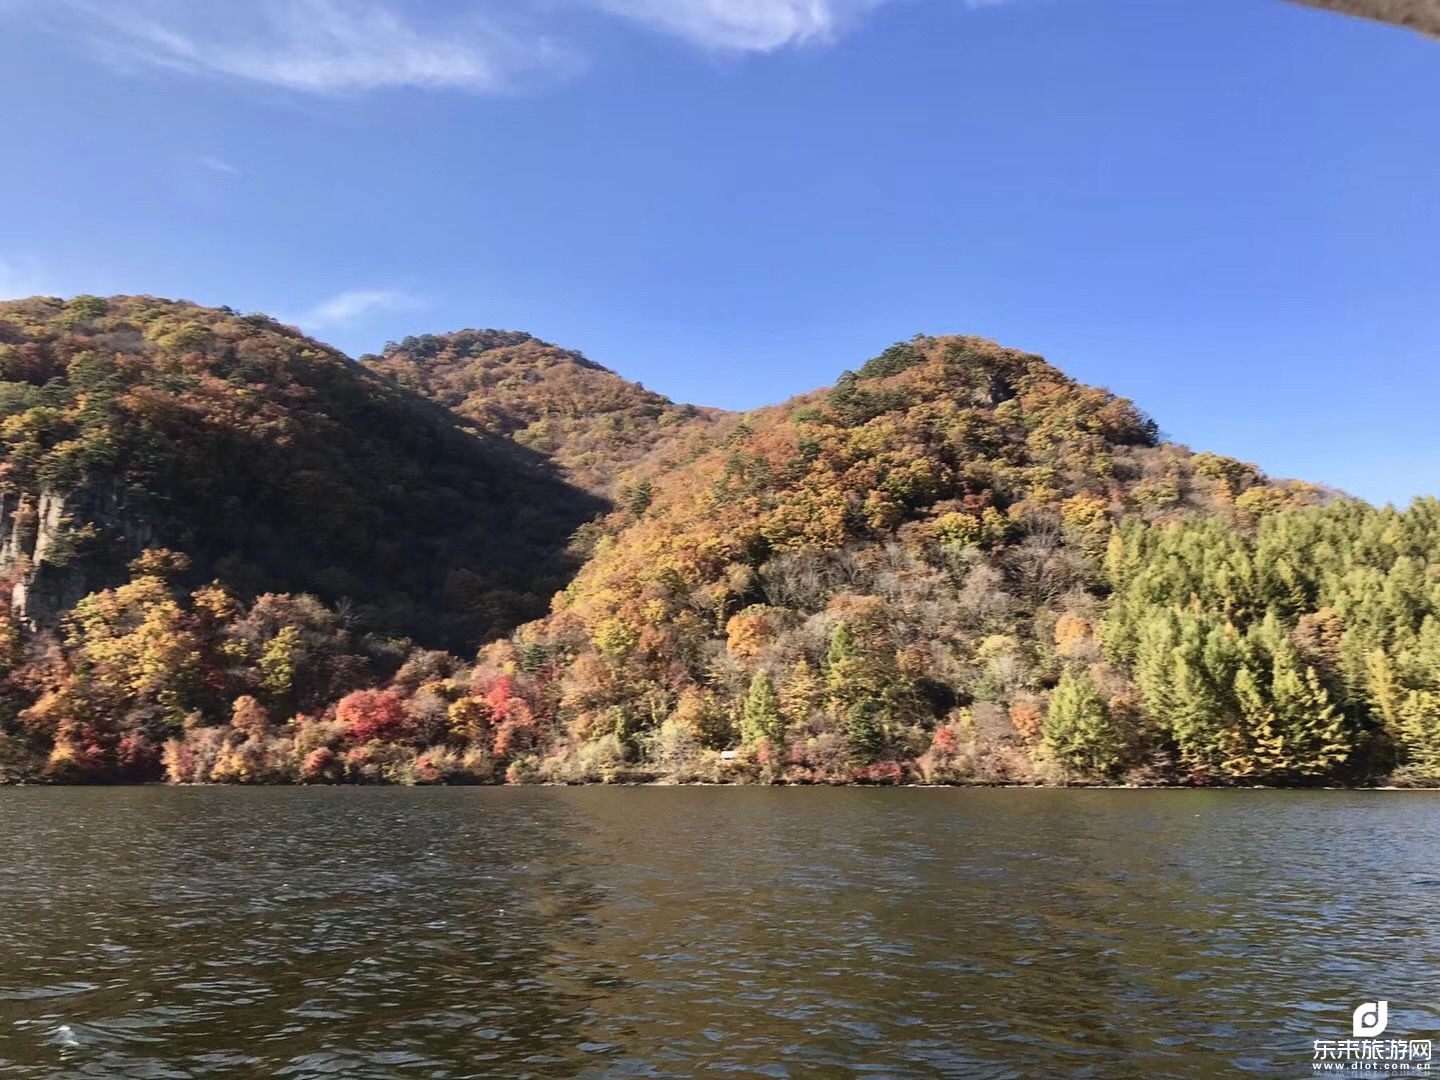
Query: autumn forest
{"points": [[231, 554]]}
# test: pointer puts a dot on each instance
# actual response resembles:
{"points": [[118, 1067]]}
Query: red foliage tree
{"points": [[513, 719], [321, 766], [373, 714], [137, 756], [945, 742], [501, 696]]}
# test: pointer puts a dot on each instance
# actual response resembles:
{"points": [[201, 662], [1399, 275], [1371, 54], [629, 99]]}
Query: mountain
{"points": [[594, 426], [956, 565], [911, 555], [270, 461]]}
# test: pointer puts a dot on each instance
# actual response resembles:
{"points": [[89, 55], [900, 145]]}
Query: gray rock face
{"points": [[57, 547], [1422, 15]]}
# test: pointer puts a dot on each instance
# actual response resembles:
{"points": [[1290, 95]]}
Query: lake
{"points": [[162, 932]]}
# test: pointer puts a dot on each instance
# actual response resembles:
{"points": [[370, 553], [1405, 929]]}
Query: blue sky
{"points": [[1224, 209]]}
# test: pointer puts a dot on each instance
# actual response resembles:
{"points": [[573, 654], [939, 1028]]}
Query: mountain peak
{"points": [[592, 423]]}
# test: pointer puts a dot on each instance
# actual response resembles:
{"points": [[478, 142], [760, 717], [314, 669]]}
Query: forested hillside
{"points": [[956, 565], [273, 462], [902, 577], [596, 427]]}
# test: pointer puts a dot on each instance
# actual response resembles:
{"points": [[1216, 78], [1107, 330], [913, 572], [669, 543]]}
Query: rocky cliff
{"points": [[55, 547]]}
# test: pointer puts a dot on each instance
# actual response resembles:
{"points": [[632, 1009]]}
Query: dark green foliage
{"points": [[760, 718], [1306, 648], [892, 361], [275, 463], [1079, 729], [865, 728]]}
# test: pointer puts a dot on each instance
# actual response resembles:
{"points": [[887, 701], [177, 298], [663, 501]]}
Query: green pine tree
{"points": [[1078, 727], [1420, 734], [760, 715], [865, 728]]}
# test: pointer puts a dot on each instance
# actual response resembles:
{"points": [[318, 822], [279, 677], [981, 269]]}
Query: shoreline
{"points": [[978, 785]]}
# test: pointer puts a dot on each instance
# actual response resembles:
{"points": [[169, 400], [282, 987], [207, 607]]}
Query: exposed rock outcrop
{"points": [[57, 547]]}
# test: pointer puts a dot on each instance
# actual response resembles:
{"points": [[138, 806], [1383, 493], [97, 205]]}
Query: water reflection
{"points": [[660, 932]]}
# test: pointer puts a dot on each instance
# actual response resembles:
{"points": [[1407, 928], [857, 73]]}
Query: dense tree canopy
{"points": [[596, 427], [956, 565], [1305, 646], [272, 461]]}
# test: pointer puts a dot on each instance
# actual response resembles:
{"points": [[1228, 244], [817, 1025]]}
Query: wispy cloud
{"points": [[218, 165], [324, 46], [478, 46], [744, 25], [349, 307]]}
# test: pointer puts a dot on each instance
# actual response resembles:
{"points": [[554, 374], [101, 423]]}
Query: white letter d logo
{"points": [[1371, 1018]]}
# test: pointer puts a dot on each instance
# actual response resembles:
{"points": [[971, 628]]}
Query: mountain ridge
{"points": [[955, 565], [592, 423]]}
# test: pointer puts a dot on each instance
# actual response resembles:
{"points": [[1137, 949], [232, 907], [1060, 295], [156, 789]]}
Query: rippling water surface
{"points": [[154, 932]]}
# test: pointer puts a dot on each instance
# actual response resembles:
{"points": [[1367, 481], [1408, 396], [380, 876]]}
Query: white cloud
{"points": [[346, 308], [219, 165], [479, 46], [325, 46], [744, 25]]}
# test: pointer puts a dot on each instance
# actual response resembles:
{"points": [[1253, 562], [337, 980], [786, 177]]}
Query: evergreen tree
{"points": [[1420, 734], [1200, 717], [1317, 741], [845, 675], [760, 716], [1078, 727], [1312, 732], [1256, 748], [865, 728], [1154, 666], [802, 694]]}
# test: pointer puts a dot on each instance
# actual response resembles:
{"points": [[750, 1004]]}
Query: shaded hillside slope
{"points": [[595, 426], [273, 462]]}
